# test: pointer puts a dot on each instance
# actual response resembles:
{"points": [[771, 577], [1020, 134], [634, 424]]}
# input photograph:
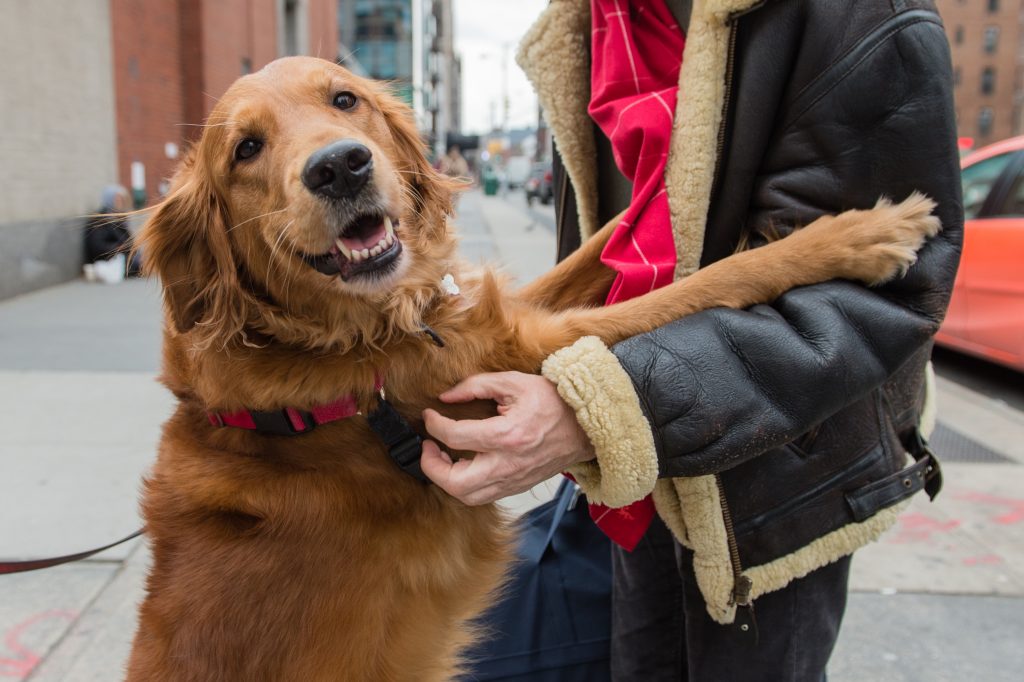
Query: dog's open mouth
{"points": [[367, 246]]}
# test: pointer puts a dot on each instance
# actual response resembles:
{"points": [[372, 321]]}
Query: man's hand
{"points": [[534, 437]]}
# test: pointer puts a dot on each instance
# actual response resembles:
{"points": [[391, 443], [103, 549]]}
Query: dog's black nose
{"points": [[338, 170]]}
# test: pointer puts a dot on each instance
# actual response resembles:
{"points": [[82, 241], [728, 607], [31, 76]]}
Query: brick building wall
{"points": [[175, 58], [191, 64], [238, 37], [985, 42], [323, 29], [149, 89]]}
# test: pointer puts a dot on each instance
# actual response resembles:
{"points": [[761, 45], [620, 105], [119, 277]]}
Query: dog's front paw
{"points": [[883, 242]]}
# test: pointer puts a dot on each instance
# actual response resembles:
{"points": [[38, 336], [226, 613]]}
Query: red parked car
{"points": [[986, 313]]}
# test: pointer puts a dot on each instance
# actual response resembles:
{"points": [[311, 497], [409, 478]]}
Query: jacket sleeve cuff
{"points": [[590, 379]]}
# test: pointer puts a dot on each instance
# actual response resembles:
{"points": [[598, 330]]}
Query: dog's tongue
{"points": [[366, 239]]}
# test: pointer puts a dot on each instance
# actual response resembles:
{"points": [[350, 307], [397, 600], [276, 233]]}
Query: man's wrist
{"points": [[591, 381]]}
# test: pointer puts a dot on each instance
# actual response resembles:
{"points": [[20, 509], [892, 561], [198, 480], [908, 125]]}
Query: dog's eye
{"points": [[247, 149], [345, 100]]}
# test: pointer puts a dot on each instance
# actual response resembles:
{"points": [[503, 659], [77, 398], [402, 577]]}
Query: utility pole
{"points": [[504, 86]]}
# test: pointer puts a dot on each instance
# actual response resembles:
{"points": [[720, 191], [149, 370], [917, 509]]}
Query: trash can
{"points": [[491, 183]]}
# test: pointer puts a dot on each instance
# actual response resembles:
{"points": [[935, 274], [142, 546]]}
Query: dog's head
{"points": [[306, 211]]}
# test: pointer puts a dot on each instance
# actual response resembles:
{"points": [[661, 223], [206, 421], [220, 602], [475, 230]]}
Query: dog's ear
{"points": [[432, 188], [185, 242]]}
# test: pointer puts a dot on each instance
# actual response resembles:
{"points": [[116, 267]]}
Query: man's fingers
{"points": [[476, 435], [492, 386], [435, 463], [437, 456], [462, 479], [511, 446]]}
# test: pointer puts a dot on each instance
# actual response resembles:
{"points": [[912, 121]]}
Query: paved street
{"points": [[938, 598]]}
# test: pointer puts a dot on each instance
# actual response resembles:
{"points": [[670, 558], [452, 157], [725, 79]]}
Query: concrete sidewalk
{"points": [[938, 598]]}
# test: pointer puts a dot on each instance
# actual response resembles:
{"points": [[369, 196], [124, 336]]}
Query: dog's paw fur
{"points": [[881, 243]]}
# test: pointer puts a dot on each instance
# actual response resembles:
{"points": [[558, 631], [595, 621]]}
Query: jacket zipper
{"points": [[742, 585]]}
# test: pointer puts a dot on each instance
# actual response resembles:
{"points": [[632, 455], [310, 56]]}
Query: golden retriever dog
{"points": [[301, 252]]}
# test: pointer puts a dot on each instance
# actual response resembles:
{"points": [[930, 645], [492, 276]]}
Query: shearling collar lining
{"points": [[555, 56]]}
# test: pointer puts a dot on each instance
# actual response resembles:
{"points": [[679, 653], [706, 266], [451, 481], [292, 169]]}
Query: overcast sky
{"points": [[483, 30]]}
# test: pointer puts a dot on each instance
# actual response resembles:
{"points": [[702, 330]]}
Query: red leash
{"points": [[7, 567]]}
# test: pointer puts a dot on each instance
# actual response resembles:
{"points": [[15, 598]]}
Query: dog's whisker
{"points": [[277, 243], [411, 198], [249, 220], [273, 251], [203, 125], [290, 250]]}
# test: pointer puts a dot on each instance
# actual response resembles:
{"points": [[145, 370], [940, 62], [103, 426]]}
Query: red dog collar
{"points": [[403, 443], [290, 421]]}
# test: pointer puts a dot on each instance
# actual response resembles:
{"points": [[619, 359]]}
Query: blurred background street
{"points": [[102, 94]]}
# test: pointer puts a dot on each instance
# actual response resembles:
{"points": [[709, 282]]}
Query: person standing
{"points": [[750, 453], [454, 164], [106, 232]]}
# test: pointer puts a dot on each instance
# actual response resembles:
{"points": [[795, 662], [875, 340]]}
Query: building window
{"points": [[985, 122], [991, 39], [988, 81], [958, 35], [993, 6]]}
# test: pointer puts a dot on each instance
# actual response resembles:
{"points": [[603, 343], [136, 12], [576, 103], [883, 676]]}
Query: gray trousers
{"points": [[661, 631]]}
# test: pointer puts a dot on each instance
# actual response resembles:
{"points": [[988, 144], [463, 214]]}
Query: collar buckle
{"points": [[404, 445], [286, 422]]}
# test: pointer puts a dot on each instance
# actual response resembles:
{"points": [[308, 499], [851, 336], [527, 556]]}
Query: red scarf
{"points": [[636, 53]]}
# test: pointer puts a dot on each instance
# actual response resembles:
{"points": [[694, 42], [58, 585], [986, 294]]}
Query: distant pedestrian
{"points": [[454, 164], [106, 232]]}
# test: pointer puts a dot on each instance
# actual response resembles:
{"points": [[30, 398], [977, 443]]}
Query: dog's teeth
{"points": [[388, 227], [344, 249], [366, 253], [389, 239], [356, 256], [375, 251]]}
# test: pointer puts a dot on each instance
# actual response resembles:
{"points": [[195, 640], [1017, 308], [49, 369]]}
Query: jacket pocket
{"points": [[856, 469]]}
